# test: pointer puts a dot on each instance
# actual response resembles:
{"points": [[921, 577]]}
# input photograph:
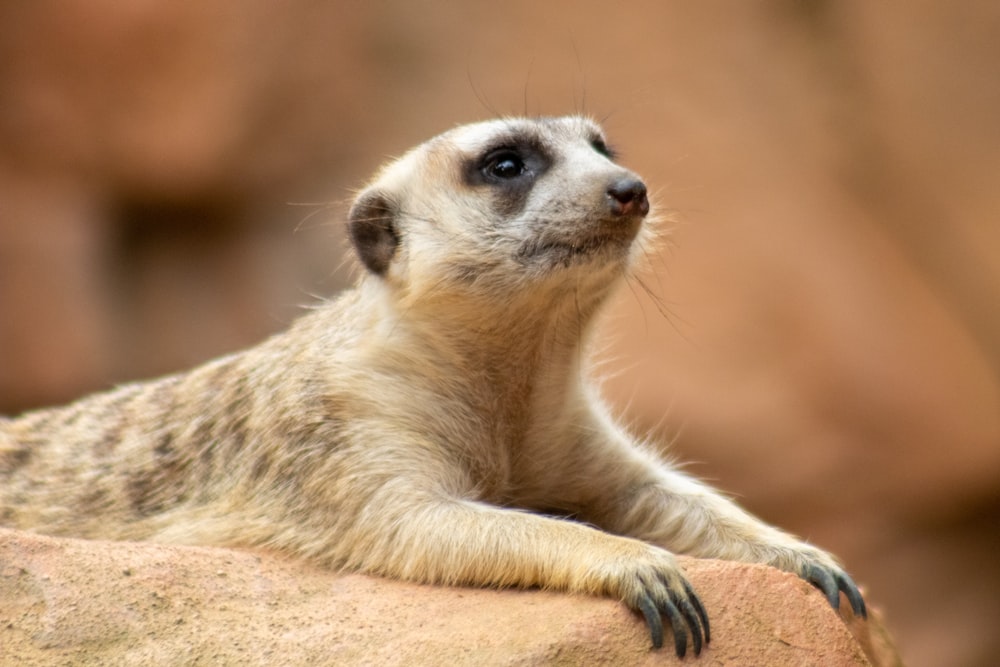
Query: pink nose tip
{"points": [[628, 196]]}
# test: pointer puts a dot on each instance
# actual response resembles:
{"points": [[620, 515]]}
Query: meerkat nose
{"points": [[628, 197]]}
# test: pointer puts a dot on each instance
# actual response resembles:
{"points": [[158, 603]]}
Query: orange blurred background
{"points": [[820, 335]]}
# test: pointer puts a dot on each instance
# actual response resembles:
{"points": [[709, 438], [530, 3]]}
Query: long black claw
{"points": [[653, 620], [832, 583], [677, 623], [823, 580], [846, 584], [700, 610], [691, 616]]}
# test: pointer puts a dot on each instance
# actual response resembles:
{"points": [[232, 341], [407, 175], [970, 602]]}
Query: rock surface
{"points": [[68, 601]]}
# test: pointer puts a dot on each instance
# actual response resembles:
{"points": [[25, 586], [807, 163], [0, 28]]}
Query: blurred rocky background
{"points": [[820, 334]]}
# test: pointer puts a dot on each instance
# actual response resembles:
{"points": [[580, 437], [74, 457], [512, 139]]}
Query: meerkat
{"points": [[436, 423]]}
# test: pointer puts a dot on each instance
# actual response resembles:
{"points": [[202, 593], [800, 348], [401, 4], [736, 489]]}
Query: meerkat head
{"points": [[501, 207]]}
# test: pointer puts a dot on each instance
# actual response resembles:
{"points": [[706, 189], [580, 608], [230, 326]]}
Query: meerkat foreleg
{"points": [[642, 497], [457, 541], [693, 519]]}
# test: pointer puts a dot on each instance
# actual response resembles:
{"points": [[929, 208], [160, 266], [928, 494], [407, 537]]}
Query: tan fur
{"points": [[433, 424]]}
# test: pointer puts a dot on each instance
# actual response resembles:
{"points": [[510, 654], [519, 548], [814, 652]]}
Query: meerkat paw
{"points": [[832, 580], [822, 571], [655, 587]]}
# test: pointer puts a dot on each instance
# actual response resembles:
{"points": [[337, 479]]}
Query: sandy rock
{"points": [[68, 601]]}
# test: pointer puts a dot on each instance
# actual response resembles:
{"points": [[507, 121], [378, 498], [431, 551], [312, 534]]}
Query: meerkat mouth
{"points": [[580, 249], [609, 238]]}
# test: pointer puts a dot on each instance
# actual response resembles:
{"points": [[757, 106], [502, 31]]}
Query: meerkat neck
{"points": [[510, 342]]}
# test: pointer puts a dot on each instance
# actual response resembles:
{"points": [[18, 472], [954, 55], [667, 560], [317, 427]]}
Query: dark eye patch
{"points": [[509, 167], [599, 145]]}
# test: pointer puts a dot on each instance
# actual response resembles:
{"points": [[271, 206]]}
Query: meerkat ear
{"points": [[372, 226]]}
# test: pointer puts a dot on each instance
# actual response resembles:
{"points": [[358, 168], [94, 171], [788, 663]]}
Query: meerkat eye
{"points": [[504, 164], [601, 147], [515, 163]]}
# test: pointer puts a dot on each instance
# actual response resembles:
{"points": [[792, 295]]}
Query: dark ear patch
{"points": [[372, 226]]}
